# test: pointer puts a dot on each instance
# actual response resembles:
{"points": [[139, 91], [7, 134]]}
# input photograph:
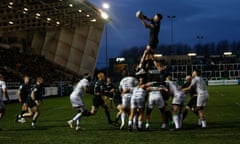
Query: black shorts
{"points": [[164, 95], [31, 103], [153, 45], [24, 99], [192, 102], [110, 95], [97, 101]]}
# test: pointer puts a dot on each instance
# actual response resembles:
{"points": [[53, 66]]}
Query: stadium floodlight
{"points": [[191, 54], [157, 55], [105, 5], [227, 53], [104, 15]]}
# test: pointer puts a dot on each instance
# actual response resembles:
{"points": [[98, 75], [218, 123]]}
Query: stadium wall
{"points": [[49, 91], [223, 82], [75, 49]]}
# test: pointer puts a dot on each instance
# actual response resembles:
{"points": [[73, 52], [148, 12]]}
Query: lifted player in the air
{"points": [[153, 24]]}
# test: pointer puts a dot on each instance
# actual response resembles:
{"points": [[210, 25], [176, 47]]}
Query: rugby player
{"points": [[34, 101], [178, 99], [99, 90], [191, 105], [109, 91], [202, 95], [3, 92], [155, 98], [76, 99], [153, 24], [137, 104], [24, 91], [126, 86]]}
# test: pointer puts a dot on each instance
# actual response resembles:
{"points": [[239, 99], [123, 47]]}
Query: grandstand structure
{"points": [[66, 33], [215, 67]]}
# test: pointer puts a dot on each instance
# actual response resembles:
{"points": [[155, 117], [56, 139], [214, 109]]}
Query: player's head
{"points": [[168, 76], [39, 80], [101, 76], [196, 73], [141, 80], [109, 79], [188, 78], [157, 17], [26, 79]]}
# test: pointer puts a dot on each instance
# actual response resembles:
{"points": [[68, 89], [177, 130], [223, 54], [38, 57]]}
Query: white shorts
{"points": [[179, 100], [155, 100], [202, 100], [76, 101], [137, 102], [126, 100], [2, 106]]}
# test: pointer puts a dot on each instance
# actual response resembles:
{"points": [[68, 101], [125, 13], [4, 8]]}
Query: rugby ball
{"points": [[139, 14]]}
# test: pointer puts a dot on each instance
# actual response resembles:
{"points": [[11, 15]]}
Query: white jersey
{"points": [[155, 98], [128, 82], [78, 92], [178, 95], [138, 92], [201, 89], [200, 86], [2, 87], [173, 88], [138, 97]]}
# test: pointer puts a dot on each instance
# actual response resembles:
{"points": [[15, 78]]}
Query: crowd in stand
{"points": [[13, 65]]}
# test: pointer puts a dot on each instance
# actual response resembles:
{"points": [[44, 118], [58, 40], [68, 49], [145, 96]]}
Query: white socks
{"points": [[176, 121]]}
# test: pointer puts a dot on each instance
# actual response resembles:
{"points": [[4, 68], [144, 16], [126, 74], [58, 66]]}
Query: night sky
{"points": [[215, 20]]}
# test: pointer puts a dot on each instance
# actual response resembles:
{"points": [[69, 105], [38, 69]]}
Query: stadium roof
{"points": [[22, 15]]}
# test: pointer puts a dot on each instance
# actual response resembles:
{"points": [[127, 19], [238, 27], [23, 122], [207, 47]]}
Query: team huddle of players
{"points": [[136, 97]]}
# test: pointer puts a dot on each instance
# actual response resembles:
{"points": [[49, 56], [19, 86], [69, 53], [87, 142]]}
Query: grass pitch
{"points": [[222, 114]]}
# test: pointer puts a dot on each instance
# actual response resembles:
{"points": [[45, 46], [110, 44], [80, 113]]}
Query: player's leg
{"points": [[180, 114], [149, 111], [140, 119], [95, 105], [130, 119], [111, 102], [164, 118], [2, 112], [125, 106], [118, 115], [148, 116], [24, 109], [160, 103], [36, 113], [175, 116], [201, 103], [107, 112]]}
